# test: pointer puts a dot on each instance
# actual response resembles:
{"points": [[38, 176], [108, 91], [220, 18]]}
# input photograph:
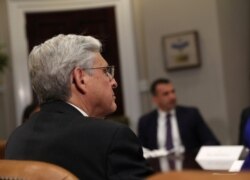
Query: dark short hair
{"points": [[157, 82]]}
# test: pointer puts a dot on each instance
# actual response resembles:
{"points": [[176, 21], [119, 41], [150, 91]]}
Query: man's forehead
{"points": [[165, 86], [99, 60]]}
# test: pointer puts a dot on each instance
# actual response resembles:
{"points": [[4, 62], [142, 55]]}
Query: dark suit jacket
{"points": [[246, 164], [91, 148], [244, 116], [193, 130]]}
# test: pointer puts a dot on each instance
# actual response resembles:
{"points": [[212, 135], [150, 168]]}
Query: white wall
{"points": [[204, 87], [234, 23], [7, 109]]}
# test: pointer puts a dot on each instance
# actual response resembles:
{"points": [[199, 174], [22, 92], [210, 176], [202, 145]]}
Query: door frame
{"points": [[126, 47]]}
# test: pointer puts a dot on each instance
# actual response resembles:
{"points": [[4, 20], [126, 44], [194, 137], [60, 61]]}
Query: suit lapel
{"points": [[154, 129], [180, 118]]}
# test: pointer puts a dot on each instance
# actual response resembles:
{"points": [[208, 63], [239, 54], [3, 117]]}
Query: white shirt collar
{"points": [[164, 113], [80, 110]]}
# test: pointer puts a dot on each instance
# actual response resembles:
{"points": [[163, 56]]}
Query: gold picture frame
{"points": [[181, 50]]}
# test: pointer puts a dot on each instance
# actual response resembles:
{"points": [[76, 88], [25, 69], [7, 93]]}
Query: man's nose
{"points": [[114, 83], [172, 95]]}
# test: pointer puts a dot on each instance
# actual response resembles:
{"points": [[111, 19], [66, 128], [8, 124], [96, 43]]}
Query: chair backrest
{"points": [[200, 175], [2, 148], [32, 170]]}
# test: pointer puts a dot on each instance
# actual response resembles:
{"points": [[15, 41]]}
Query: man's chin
{"points": [[114, 107]]}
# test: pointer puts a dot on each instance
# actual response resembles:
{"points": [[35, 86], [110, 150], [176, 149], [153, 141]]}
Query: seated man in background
{"points": [[170, 126], [245, 115], [244, 138], [74, 85]]}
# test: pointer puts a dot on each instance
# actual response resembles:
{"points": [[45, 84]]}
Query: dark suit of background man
{"points": [[187, 125], [74, 85], [244, 135], [245, 115]]}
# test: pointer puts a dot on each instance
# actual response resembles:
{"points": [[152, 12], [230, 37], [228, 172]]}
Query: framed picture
{"points": [[181, 50]]}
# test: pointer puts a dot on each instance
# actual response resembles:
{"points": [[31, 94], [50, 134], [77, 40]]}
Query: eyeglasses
{"points": [[108, 70]]}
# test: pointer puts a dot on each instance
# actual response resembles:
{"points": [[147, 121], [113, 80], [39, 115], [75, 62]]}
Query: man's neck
{"points": [[81, 111]]}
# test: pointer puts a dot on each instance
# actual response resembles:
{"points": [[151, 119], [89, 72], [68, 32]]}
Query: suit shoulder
{"points": [[246, 111], [101, 125], [187, 108], [148, 115]]}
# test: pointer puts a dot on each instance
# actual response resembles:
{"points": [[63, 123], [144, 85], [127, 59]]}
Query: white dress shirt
{"points": [[162, 135]]}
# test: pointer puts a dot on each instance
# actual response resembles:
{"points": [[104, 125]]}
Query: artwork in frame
{"points": [[181, 50]]}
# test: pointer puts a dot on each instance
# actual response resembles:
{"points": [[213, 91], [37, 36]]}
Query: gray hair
{"points": [[51, 63]]}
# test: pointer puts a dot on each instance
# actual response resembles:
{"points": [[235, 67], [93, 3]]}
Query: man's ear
{"points": [[78, 79]]}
